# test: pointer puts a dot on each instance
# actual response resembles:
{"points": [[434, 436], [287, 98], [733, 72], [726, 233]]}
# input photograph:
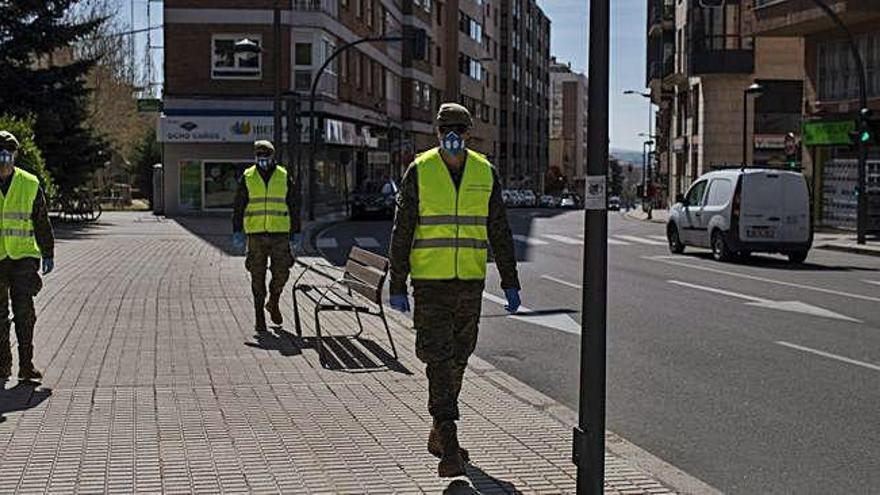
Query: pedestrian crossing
{"points": [[543, 240]]}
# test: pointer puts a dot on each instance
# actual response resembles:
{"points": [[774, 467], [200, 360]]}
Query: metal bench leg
{"points": [[357, 316], [320, 342], [296, 322], [387, 331]]}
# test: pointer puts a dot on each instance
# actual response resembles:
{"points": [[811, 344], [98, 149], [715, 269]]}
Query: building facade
{"points": [[524, 86], [700, 62], [568, 127], [830, 98]]}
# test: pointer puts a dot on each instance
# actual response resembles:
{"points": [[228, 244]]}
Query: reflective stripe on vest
{"points": [[17, 239], [266, 211], [451, 239]]}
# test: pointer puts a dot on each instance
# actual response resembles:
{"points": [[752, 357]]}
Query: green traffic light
{"points": [[865, 136]]}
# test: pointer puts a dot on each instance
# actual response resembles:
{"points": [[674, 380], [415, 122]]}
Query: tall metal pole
{"points": [[745, 126], [276, 68], [589, 436]]}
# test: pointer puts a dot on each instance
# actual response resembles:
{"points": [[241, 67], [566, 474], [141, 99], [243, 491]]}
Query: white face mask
{"points": [[264, 162], [7, 157]]}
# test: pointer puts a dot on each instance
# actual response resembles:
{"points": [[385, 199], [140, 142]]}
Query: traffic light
{"points": [[867, 130], [419, 43]]}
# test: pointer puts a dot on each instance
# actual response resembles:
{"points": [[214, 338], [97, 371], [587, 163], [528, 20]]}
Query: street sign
{"points": [[149, 105], [835, 133], [594, 199], [790, 144]]}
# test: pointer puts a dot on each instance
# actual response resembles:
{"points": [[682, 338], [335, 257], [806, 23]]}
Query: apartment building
{"points": [[524, 86], [568, 125], [700, 62], [830, 98]]}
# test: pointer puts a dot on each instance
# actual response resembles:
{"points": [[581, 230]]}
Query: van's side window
{"points": [[719, 192], [695, 195]]}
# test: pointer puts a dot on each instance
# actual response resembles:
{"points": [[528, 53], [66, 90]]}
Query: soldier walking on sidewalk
{"points": [[25, 238], [265, 217], [450, 210]]}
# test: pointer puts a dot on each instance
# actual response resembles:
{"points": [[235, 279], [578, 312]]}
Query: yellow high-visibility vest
{"points": [[451, 239], [266, 211], [16, 210]]}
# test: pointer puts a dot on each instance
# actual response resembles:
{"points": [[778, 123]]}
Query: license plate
{"points": [[761, 232]]}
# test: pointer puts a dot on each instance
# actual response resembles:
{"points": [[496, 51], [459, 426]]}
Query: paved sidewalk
{"points": [[658, 215], [155, 382], [847, 243]]}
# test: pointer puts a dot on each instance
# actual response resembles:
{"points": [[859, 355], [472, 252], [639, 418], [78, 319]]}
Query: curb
{"points": [[633, 215], [311, 232], [665, 473], [843, 248]]}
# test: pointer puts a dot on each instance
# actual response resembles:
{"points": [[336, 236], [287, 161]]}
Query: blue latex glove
{"points": [[48, 265], [238, 241], [295, 242], [400, 302], [513, 300]]}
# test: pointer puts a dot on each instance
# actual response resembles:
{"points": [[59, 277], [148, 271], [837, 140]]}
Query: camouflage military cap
{"points": [[264, 146], [454, 115], [8, 141]]}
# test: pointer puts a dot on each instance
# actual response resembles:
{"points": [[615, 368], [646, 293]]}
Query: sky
{"points": [[569, 31]]}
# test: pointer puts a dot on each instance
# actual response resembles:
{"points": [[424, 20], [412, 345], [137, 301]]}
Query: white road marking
{"points": [[529, 240], [659, 238], [668, 260], [760, 302], [615, 242], [561, 322], [326, 243], [367, 242], [829, 355], [874, 282], [563, 282], [563, 239], [640, 240]]}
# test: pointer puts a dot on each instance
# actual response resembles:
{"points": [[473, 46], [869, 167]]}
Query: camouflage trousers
{"points": [[446, 317], [20, 281], [261, 248]]}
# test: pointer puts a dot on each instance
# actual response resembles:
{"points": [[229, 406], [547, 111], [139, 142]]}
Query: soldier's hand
{"points": [[238, 240], [48, 265], [513, 300], [399, 302], [295, 243]]}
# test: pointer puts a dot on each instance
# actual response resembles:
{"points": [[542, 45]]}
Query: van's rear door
{"points": [[796, 209], [763, 208]]}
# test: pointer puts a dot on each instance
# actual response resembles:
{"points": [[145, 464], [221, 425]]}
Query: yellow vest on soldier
{"points": [[451, 239], [266, 211], [17, 239]]}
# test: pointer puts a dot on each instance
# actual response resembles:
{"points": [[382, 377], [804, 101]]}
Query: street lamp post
{"points": [[754, 89], [589, 435]]}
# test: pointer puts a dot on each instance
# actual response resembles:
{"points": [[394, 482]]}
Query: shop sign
{"points": [[214, 129], [769, 141], [149, 105], [828, 133]]}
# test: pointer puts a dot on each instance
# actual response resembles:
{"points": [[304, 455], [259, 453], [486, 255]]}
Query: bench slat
{"points": [[368, 258], [365, 274]]}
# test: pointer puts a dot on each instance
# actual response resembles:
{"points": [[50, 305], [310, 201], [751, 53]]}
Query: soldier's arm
{"points": [[239, 205], [500, 237], [295, 225], [42, 226], [405, 220]]}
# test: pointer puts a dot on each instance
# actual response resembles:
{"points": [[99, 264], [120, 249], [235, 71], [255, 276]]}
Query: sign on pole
{"points": [[149, 105]]}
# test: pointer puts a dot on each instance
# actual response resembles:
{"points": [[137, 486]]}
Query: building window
{"points": [[439, 14], [302, 80], [837, 74], [358, 70], [303, 54], [439, 57], [226, 64]]}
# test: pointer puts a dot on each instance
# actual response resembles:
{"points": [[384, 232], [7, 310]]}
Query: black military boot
{"points": [[5, 361], [451, 462], [435, 445], [274, 310], [260, 322], [26, 370]]}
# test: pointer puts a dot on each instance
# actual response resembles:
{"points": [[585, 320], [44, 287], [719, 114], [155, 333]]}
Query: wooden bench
{"points": [[362, 278]]}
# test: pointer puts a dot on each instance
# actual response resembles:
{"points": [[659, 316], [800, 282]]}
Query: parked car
{"points": [[569, 201], [742, 211], [614, 203], [374, 198], [548, 201], [529, 199]]}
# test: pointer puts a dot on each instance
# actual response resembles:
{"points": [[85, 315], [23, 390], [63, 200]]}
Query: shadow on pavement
{"points": [[287, 344], [343, 354], [216, 230], [78, 230], [24, 395], [480, 482], [536, 312]]}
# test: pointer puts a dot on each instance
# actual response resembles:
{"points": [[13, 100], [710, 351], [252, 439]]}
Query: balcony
{"points": [[326, 6], [802, 17]]}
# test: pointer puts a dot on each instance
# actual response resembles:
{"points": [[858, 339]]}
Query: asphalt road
{"points": [[760, 377]]}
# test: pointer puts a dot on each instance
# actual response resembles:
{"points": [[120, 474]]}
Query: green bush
{"points": [[29, 156]]}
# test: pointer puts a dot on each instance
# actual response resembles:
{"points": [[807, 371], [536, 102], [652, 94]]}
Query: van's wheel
{"points": [[675, 244], [797, 257], [720, 251]]}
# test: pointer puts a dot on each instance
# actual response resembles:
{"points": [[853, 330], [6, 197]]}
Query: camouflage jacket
{"points": [[407, 218]]}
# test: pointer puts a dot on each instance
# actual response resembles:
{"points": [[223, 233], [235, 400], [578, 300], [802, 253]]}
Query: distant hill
{"points": [[628, 156]]}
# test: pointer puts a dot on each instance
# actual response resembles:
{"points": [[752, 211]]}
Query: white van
{"points": [[737, 212]]}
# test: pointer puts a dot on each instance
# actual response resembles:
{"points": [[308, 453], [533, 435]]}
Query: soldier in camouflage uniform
{"points": [[265, 212], [449, 210], [26, 237]]}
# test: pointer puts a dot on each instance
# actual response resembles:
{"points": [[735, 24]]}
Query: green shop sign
{"points": [[829, 133], [149, 105]]}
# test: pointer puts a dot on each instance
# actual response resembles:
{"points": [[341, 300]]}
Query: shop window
{"points": [[190, 192], [220, 181], [227, 64]]}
